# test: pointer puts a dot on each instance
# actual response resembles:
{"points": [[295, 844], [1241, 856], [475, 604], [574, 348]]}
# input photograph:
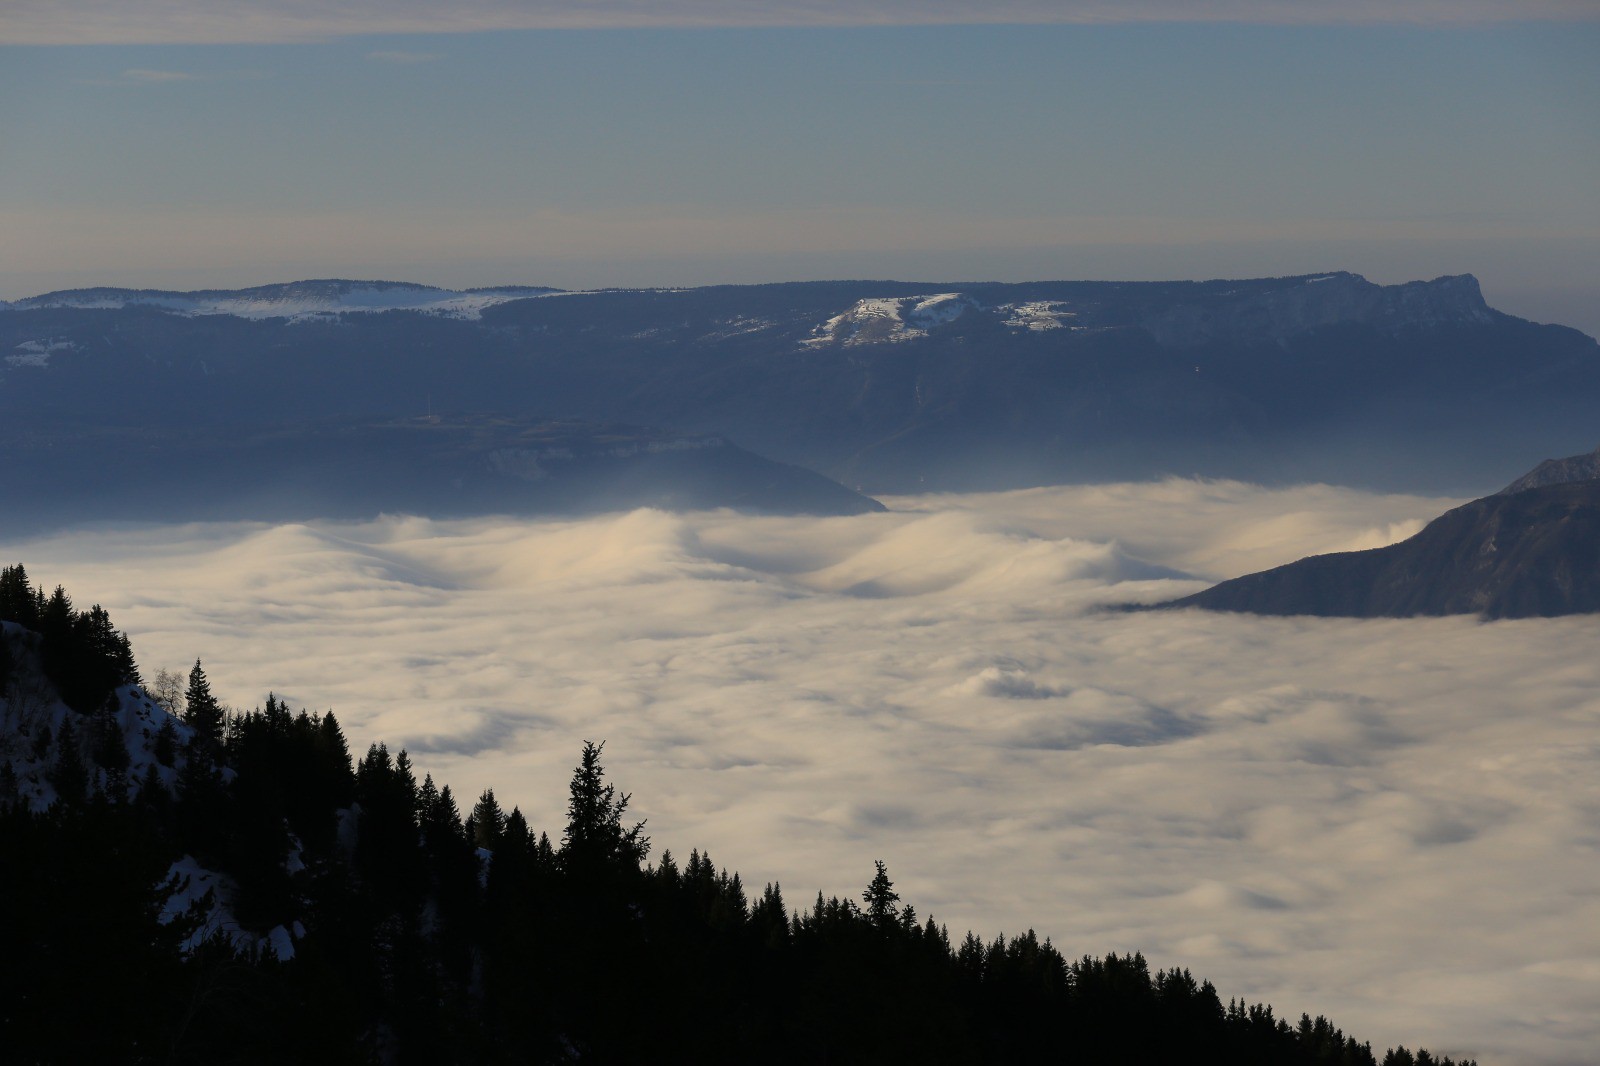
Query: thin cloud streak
{"points": [[1392, 822], [59, 22], [157, 77], [403, 58]]}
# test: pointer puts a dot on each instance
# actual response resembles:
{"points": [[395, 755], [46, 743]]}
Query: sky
{"points": [[179, 144], [1392, 822]]}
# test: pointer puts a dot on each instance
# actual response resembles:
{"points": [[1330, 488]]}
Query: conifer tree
{"points": [[488, 821], [165, 746], [151, 789], [881, 899], [516, 831], [17, 601], [70, 779], [446, 813], [427, 799], [110, 747], [594, 840], [202, 712], [55, 614]]}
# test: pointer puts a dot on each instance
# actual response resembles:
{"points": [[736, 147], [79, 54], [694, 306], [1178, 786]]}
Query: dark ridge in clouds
{"points": [[1389, 821], [279, 21]]}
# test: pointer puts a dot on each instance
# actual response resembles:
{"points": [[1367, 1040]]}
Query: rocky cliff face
{"points": [[1275, 315]]}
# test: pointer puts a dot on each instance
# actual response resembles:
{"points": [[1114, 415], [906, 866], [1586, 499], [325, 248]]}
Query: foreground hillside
{"points": [[209, 886]]}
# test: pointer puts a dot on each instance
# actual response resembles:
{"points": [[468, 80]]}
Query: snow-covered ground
{"points": [[880, 320], [37, 353], [1037, 315], [888, 320]]}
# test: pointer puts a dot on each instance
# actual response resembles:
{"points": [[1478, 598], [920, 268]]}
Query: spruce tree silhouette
{"points": [[202, 712]]}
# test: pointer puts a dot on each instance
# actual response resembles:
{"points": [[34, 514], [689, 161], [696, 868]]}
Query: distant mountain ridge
{"points": [[1530, 550], [883, 386], [440, 467], [1263, 309]]}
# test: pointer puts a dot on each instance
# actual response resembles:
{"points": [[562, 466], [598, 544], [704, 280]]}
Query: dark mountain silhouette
{"points": [[441, 467], [884, 386], [1516, 554]]}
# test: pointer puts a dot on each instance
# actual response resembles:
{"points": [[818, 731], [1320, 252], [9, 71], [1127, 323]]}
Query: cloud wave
{"points": [[1394, 822]]}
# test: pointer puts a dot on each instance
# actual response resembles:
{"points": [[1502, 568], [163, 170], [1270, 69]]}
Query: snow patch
{"points": [[204, 894], [37, 353], [1037, 315], [889, 320], [939, 310]]}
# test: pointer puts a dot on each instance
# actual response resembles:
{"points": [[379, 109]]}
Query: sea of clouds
{"points": [[1393, 822]]}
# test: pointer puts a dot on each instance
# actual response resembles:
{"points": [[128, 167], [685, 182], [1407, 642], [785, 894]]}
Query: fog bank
{"points": [[1391, 822]]}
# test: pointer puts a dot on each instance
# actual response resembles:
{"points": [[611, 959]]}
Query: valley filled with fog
{"points": [[1393, 822]]}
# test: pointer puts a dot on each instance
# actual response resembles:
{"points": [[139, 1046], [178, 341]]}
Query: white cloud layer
{"points": [[264, 21], [1392, 822]]}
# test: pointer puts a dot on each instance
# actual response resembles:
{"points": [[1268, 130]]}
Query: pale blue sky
{"points": [[693, 155]]}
